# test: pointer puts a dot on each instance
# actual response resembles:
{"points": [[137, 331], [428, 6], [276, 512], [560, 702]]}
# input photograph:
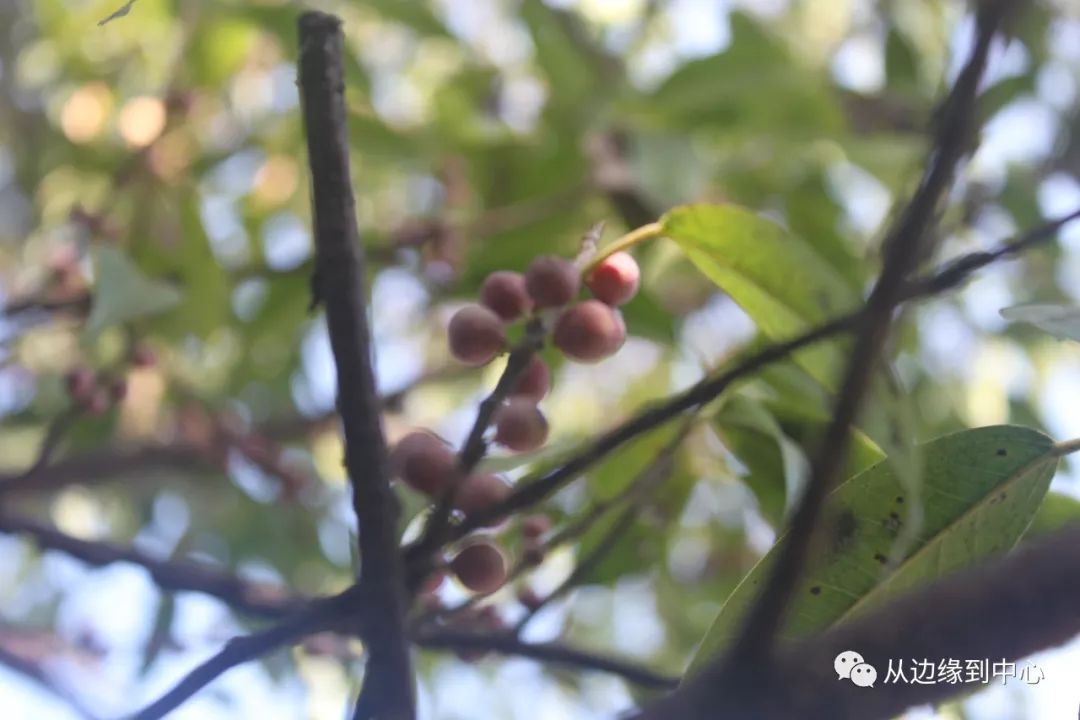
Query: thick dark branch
{"points": [[1003, 610], [907, 242], [251, 598], [553, 653], [339, 284], [317, 616]]}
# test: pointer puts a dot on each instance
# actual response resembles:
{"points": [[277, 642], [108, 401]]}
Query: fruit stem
{"points": [[1066, 447], [629, 240]]}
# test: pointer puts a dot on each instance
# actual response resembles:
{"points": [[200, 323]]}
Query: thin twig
{"points": [[339, 284], [553, 653], [472, 452], [586, 565], [907, 242], [251, 598], [105, 465], [317, 616], [633, 496]]}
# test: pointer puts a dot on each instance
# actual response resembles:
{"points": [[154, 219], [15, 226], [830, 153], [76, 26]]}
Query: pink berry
{"points": [[535, 380], [552, 281], [480, 567], [118, 390], [520, 426], [589, 331], [80, 383], [143, 356], [423, 462], [479, 492], [534, 526], [476, 335], [615, 280], [504, 293]]}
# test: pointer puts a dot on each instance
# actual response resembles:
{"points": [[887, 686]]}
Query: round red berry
{"points": [[589, 331], [423, 462], [520, 426], [552, 281], [476, 335], [504, 293], [615, 280]]}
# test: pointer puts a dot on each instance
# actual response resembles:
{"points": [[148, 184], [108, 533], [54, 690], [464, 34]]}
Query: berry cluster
{"points": [[586, 331], [93, 393]]}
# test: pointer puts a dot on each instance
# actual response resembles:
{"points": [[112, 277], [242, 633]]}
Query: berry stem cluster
{"points": [[545, 296]]}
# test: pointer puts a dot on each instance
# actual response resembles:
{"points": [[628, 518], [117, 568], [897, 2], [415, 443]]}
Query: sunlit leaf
{"points": [[1061, 321], [788, 288], [981, 489]]}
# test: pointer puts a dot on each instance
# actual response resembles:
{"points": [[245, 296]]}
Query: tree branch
{"points": [[906, 243], [339, 283], [254, 599], [316, 616], [1003, 610], [554, 653], [100, 466]]}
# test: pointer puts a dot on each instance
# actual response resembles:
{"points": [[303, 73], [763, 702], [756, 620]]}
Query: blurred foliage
{"points": [[483, 134]]}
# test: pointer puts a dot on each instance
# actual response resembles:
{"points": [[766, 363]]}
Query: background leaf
{"points": [[123, 293], [1062, 321]]}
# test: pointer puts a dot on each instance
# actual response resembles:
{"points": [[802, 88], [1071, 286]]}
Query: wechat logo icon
{"points": [[850, 665]]}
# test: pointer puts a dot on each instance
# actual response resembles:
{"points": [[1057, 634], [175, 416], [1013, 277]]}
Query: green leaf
{"points": [[981, 489], [1062, 321], [779, 280], [787, 288], [1056, 511], [753, 87], [777, 466], [122, 293], [416, 14]]}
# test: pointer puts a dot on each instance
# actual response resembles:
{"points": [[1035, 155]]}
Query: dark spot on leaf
{"points": [[881, 558], [816, 590], [1001, 496], [844, 530], [1002, 452], [892, 523], [900, 499]]}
